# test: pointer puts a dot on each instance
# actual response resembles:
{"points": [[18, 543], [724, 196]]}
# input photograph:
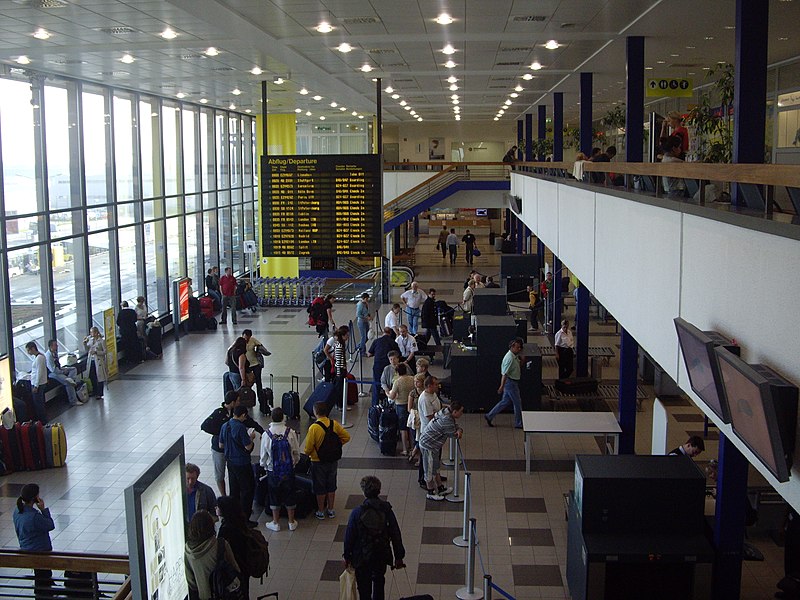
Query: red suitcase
{"points": [[207, 306], [25, 446], [352, 390]]}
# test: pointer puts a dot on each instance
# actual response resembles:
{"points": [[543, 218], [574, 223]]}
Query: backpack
{"points": [[281, 452], [315, 311], [224, 580], [256, 555], [330, 449], [373, 536]]}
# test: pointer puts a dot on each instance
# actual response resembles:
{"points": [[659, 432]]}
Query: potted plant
{"points": [[713, 121]]}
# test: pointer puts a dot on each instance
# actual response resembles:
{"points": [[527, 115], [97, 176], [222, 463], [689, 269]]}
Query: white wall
{"points": [[413, 138], [397, 183], [649, 263]]}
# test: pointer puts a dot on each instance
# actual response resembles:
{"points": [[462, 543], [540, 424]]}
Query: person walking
{"points": [[363, 319], [565, 353], [201, 553], [95, 347], [33, 524], [38, 380], [323, 446], [452, 246], [227, 286], [237, 445], [511, 371], [413, 299], [280, 452], [470, 243], [430, 318], [441, 243], [372, 541]]}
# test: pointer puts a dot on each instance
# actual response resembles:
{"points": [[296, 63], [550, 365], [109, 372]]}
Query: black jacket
{"points": [[214, 422], [429, 316]]}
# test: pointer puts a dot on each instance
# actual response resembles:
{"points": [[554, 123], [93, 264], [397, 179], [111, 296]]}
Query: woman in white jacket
{"points": [[96, 360]]}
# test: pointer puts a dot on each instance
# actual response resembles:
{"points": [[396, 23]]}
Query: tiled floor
{"points": [[520, 519]]}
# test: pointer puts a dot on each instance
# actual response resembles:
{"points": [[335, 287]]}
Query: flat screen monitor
{"points": [[481, 212], [701, 364], [753, 415]]}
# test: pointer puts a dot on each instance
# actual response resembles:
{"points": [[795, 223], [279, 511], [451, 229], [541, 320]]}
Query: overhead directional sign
{"points": [[673, 87]]}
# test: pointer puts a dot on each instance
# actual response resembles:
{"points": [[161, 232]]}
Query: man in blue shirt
{"points": [[199, 496], [511, 370], [237, 445], [380, 349]]}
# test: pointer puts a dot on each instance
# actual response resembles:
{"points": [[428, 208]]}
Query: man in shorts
{"points": [[323, 470]]}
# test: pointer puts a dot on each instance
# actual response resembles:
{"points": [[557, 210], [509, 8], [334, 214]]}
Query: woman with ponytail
{"points": [[33, 524]]}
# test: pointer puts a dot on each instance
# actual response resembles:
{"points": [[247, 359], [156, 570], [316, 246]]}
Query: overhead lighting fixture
{"points": [[42, 34], [691, 47], [709, 37], [298, 110], [362, 116], [23, 60], [527, 77], [444, 19], [203, 100], [783, 39], [552, 45], [127, 59], [406, 108], [278, 81], [168, 34], [454, 97], [236, 91], [419, 119], [452, 79], [334, 104], [508, 103], [317, 98], [450, 64], [458, 117], [519, 88], [342, 108], [661, 62], [232, 106], [354, 113], [729, 27], [395, 96], [496, 119], [674, 55], [455, 101], [448, 49], [389, 89], [308, 113], [648, 68], [180, 95], [324, 27], [212, 51], [453, 87], [344, 47], [256, 71], [513, 95], [403, 102], [366, 68], [536, 65], [322, 117], [303, 92]]}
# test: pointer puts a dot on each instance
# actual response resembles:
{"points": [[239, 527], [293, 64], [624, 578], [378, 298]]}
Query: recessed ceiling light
{"points": [[720, 62], [514, 95], [23, 60], [256, 71], [706, 68], [453, 87], [527, 77], [334, 104], [661, 62], [232, 106], [203, 100], [418, 118], [452, 79], [395, 96], [495, 119], [444, 19], [448, 49], [674, 55], [317, 98], [389, 89], [278, 81], [324, 27], [690, 73], [342, 108], [366, 68], [709, 37], [729, 27], [362, 116], [308, 113], [403, 103], [127, 59], [648, 68], [455, 101], [322, 117], [406, 108], [180, 95], [536, 65], [691, 47], [508, 103], [236, 91], [42, 34], [450, 64], [303, 91], [454, 97], [298, 110], [344, 47], [168, 34], [519, 88], [354, 113], [458, 117], [783, 39], [552, 45], [212, 51]]}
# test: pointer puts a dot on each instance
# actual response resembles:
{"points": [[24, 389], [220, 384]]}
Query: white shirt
{"points": [[50, 361], [414, 299], [452, 240], [38, 370], [565, 340], [408, 345], [427, 406], [141, 312], [392, 320], [266, 444]]}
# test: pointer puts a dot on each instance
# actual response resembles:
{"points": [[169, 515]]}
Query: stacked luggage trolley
{"points": [[288, 291]]}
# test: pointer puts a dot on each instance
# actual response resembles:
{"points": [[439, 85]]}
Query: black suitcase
{"points": [[388, 431], [290, 401], [373, 422], [22, 401], [34, 433], [261, 495], [577, 385], [266, 398], [322, 393]]}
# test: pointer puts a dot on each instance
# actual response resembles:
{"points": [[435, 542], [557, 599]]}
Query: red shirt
{"points": [[227, 284], [682, 133]]}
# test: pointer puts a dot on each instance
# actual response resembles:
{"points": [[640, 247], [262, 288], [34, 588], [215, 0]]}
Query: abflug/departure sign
{"points": [[325, 205]]}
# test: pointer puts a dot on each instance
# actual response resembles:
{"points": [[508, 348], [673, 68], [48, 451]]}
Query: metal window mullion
{"points": [[226, 157], [160, 225], [7, 337], [111, 196], [138, 186], [182, 259], [198, 217], [86, 292]]}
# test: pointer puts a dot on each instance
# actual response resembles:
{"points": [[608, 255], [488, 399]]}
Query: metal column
{"points": [[582, 325], [628, 366], [556, 295], [586, 113], [520, 235], [540, 254], [528, 137], [634, 96], [520, 137], [542, 126], [729, 520], [558, 126]]}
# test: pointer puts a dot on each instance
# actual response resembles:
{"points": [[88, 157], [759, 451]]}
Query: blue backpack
{"points": [[282, 464]]}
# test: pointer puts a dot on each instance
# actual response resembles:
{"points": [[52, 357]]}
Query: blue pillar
{"points": [[508, 222], [558, 126], [520, 137], [628, 367], [528, 234], [397, 247], [582, 326], [542, 126], [634, 99], [540, 254], [528, 137], [750, 84], [556, 295], [416, 226], [586, 113], [520, 235], [729, 520]]}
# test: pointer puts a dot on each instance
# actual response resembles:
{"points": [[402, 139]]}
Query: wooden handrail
{"points": [[71, 561], [441, 163], [125, 592]]}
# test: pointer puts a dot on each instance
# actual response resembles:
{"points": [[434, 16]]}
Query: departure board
{"points": [[322, 205]]}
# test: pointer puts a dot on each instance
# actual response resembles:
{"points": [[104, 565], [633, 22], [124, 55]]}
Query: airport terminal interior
{"points": [[131, 145]]}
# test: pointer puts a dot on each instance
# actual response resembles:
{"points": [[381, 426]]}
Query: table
{"points": [[569, 423]]}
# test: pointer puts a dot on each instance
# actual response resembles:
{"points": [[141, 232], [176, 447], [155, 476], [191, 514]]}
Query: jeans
{"points": [[453, 253], [511, 398], [243, 486], [38, 403], [363, 332], [231, 381], [217, 297], [226, 302], [370, 581], [470, 256], [62, 379], [413, 319]]}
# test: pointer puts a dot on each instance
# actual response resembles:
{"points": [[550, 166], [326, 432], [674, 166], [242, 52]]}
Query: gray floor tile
{"points": [[537, 575], [525, 505]]}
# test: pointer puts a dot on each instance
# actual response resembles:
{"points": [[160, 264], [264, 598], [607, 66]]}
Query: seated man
{"points": [[65, 376]]}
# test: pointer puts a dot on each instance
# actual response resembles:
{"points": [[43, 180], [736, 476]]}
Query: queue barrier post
{"points": [[449, 461], [468, 592], [462, 541], [455, 497], [487, 587], [345, 424]]}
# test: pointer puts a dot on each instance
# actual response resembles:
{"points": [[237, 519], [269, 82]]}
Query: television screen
{"points": [[701, 365], [752, 412], [481, 212]]}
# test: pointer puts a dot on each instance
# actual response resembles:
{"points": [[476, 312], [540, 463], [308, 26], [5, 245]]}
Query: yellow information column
{"points": [[110, 331], [282, 134]]}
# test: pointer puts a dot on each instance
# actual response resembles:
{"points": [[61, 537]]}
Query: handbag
{"points": [[438, 246], [476, 252], [347, 585]]}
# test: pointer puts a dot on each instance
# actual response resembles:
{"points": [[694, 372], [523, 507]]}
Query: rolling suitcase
{"points": [[352, 390], [25, 446], [207, 306], [576, 385], [9, 446], [290, 401], [49, 458], [374, 421], [322, 393], [58, 439], [388, 431], [266, 397], [37, 445]]}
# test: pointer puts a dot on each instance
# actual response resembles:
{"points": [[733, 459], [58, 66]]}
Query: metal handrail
{"points": [[423, 191]]}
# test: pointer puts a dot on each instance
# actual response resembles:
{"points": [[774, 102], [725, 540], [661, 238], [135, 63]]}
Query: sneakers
{"points": [[320, 515], [434, 496], [292, 525], [331, 514], [443, 491], [273, 526]]}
